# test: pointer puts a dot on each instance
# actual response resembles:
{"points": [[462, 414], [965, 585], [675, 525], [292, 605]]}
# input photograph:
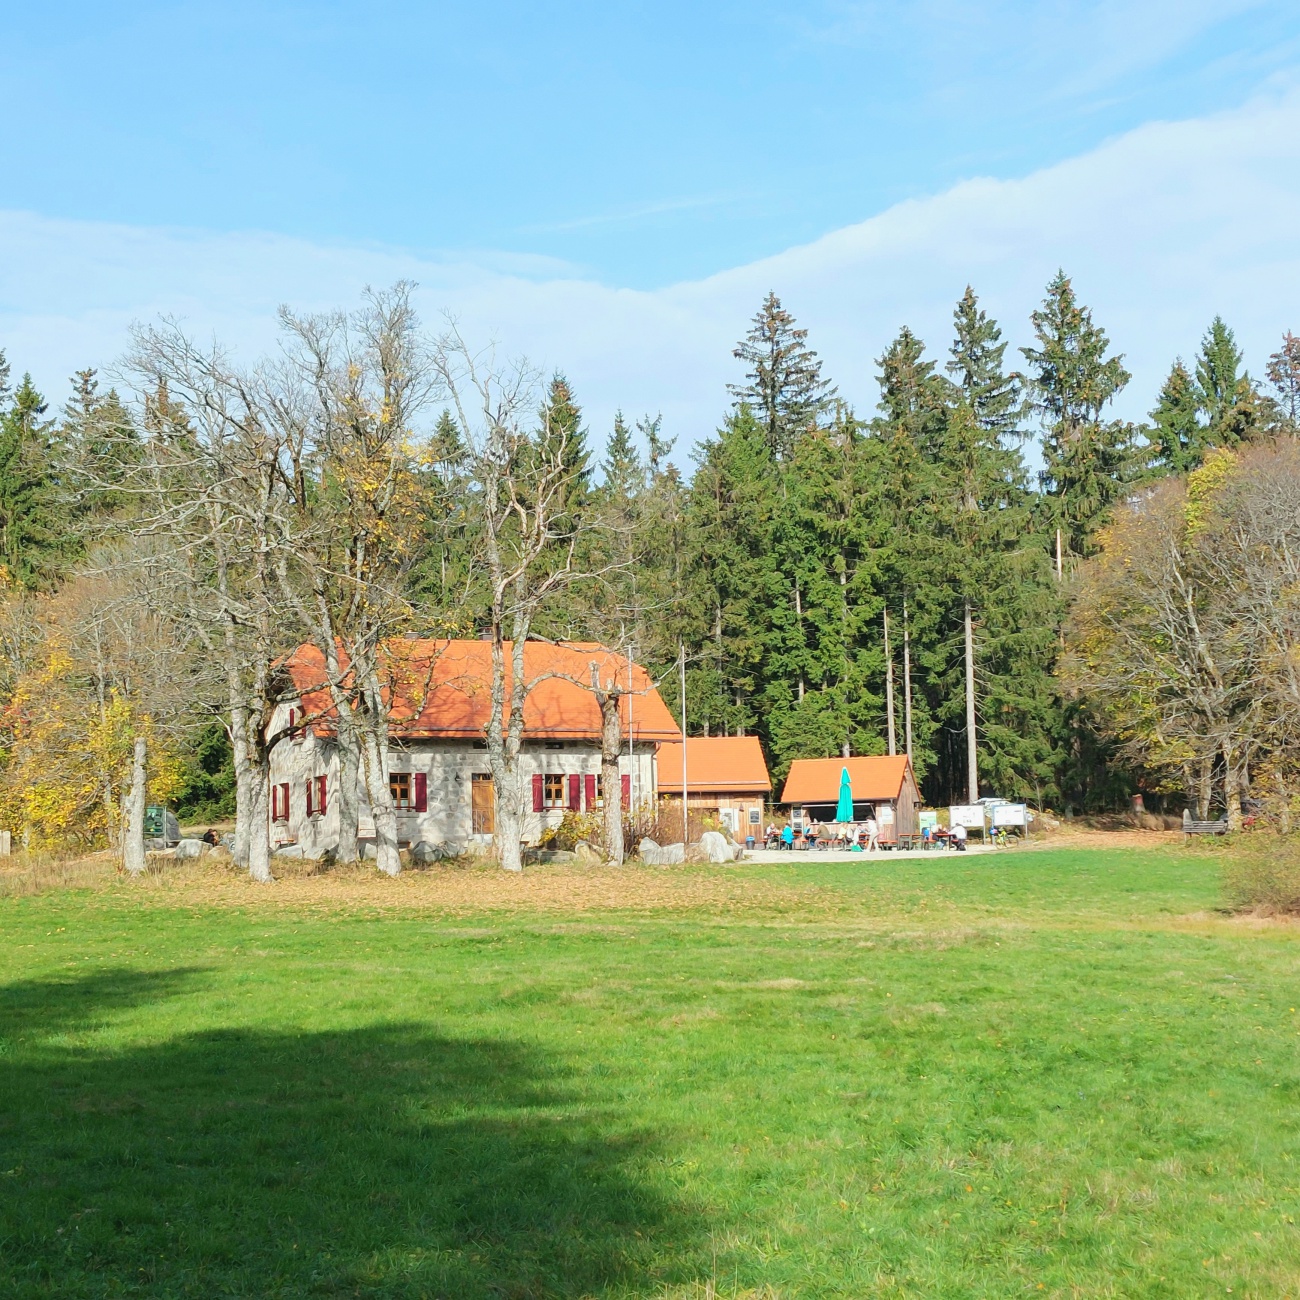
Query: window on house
{"points": [[554, 744], [280, 802], [553, 795], [399, 783], [600, 790], [315, 796], [296, 732]]}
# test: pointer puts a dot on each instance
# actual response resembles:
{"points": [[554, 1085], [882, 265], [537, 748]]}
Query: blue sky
{"points": [[588, 180]]}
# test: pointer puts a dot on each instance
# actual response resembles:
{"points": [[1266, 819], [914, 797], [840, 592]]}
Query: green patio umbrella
{"points": [[844, 809]]}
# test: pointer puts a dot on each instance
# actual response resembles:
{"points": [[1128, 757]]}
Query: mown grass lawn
{"points": [[1052, 1074]]}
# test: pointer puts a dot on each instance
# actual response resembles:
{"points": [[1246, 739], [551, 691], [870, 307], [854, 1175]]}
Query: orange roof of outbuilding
{"points": [[714, 763], [817, 780], [441, 689]]}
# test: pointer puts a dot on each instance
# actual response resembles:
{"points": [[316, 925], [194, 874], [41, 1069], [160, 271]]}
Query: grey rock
{"points": [[191, 848], [227, 841], [367, 849], [287, 851], [423, 853], [587, 854], [718, 848], [550, 857], [662, 855]]}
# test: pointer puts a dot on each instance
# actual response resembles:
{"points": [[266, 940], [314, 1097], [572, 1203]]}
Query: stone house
{"points": [[439, 703]]}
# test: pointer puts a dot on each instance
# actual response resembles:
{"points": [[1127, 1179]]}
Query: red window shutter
{"points": [[310, 783], [625, 784], [575, 793], [539, 795], [421, 791], [275, 803], [591, 792], [284, 800], [320, 796]]}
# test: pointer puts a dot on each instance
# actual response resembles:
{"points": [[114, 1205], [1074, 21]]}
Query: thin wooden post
{"points": [[1060, 570], [686, 817], [907, 684], [972, 769], [889, 688]]}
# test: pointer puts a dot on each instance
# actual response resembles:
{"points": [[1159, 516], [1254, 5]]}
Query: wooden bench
{"points": [[1192, 827]]}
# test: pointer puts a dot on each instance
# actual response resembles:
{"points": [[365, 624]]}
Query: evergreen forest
{"points": [[814, 566]]}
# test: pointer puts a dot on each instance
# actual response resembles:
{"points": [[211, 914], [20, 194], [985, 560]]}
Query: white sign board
{"points": [[885, 815], [970, 815], [1010, 814]]}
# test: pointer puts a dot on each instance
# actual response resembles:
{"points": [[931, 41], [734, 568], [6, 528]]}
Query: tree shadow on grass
{"points": [[372, 1162]]}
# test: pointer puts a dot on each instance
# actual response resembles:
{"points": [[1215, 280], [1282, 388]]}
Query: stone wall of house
{"points": [[449, 767]]}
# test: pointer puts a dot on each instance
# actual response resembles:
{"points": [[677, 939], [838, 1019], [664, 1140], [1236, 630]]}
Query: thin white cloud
{"points": [[1161, 228]]}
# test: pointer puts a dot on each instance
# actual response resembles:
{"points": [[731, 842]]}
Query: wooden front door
{"points": [[482, 821]]}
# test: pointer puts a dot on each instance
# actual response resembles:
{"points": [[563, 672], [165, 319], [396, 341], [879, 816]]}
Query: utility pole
{"points": [[907, 685], [972, 769], [681, 681], [889, 688]]}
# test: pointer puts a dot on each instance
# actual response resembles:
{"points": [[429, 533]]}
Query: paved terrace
{"points": [[795, 856]]}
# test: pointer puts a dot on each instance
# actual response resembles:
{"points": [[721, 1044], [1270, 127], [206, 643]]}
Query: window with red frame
{"points": [[280, 802]]}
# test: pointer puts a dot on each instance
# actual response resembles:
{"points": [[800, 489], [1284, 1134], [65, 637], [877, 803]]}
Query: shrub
{"points": [[573, 827], [1262, 872]]}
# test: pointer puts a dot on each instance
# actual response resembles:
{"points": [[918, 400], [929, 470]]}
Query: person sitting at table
{"points": [[959, 838], [810, 835], [787, 836]]}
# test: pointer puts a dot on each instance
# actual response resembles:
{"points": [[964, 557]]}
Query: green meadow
{"points": [[1059, 1073]]}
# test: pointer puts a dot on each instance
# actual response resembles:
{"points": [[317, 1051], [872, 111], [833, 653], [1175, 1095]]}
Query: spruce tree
{"points": [[784, 389], [622, 472], [978, 350], [1088, 462], [1179, 436], [34, 536], [1227, 394], [561, 437]]}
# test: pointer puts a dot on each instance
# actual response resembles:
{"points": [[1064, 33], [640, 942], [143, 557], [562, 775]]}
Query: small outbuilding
{"points": [[726, 778], [884, 787]]}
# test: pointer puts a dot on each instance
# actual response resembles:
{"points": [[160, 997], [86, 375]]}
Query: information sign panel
{"points": [[970, 815], [927, 817], [1010, 814]]}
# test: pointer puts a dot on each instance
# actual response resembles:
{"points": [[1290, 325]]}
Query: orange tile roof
{"points": [[442, 690], [714, 763], [817, 780]]}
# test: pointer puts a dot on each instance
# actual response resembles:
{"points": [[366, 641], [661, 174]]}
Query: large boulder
{"points": [[286, 851], [424, 854], [662, 855], [718, 848], [190, 848], [587, 854], [550, 857]]}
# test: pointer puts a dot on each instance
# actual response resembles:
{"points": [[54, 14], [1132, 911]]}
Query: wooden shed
{"points": [[726, 778], [883, 787]]}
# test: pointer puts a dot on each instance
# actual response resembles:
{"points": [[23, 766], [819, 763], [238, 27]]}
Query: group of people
{"points": [[866, 837]]}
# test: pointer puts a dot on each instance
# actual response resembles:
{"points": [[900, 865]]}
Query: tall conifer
{"points": [[1088, 462], [784, 387]]}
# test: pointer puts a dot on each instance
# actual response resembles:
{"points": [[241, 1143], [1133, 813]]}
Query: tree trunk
{"points": [[509, 817], [889, 694], [1204, 789], [1234, 781], [611, 744], [244, 785], [349, 798], [133, 830], [259, 827], [381, 806]]}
